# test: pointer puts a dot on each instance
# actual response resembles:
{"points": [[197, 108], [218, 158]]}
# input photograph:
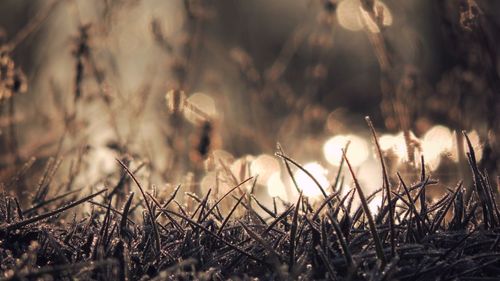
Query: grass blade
{"points": [[150, 211], [387, 186], [373, 229], [26, 222]]}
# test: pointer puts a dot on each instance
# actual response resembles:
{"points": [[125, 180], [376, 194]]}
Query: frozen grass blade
{"points": [[288, 168], [41, 187], [326, 261], [151, 215], [172, 197], [274, 255], [112, 210], [420, 222], [126, 209], [288, 159], [121, 181], [387, 186], [338, 178], [293, 232], [264, 208], [423, 201], [174, 222], [278, 219], [442, 213], [21, 172], [224, 196], [342, 240], [373, 229], [323, 204], [230, 245], [229, 215], [342, 205], [46, 202], [203, 204], [18, 209], [14, 226], [479, 183]]}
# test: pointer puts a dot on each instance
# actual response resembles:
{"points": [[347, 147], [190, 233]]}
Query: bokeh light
{"points": [[357, 152], [218, 159], [240, 168], [307, 184], [476, 145], [348, 15], [201, 102], [375, 204], [401, 147], [276, 187], [351, 16], [437, 141], [263, 167], [388, 142]]}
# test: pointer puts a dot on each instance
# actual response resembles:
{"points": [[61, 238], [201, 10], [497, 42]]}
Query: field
{"points": [[264, 140]]}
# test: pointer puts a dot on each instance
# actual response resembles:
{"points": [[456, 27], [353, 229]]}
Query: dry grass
{"points": [[55, 225], [445, 240]]}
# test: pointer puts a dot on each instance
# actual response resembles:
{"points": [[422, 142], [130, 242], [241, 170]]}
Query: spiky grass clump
{"points": [[408, 239]]}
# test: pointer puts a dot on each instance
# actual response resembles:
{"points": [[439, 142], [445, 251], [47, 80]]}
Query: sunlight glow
{"points": [[357, 152], [264, 166], [437, 141], [240, 168], [276, 187], [476, 145], [401, 148], [374, 204], [306, 184], [396, 144], [348, 15], [388, 142]]}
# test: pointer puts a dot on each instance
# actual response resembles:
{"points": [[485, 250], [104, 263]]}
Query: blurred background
{"points": [[199, 93]]}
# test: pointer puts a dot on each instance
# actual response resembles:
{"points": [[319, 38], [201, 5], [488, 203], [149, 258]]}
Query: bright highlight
{"points": [[437, 141], [353, 17], [264, 166], [199, 102], [357, 152], [276, 187], [306, 184]]}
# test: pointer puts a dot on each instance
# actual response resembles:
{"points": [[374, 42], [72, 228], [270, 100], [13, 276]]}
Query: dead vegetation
{"points": [[64, 217], [408, 239]]}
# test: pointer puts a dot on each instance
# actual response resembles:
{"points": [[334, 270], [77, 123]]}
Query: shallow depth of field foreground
{"points": [[249, 140]]}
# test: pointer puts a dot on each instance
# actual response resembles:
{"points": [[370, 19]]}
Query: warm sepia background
{"points": [[303, 73]]}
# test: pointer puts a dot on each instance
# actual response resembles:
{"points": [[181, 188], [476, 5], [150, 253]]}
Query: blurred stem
{"points": [[393, 102], [34, 24], [13, 145]]}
